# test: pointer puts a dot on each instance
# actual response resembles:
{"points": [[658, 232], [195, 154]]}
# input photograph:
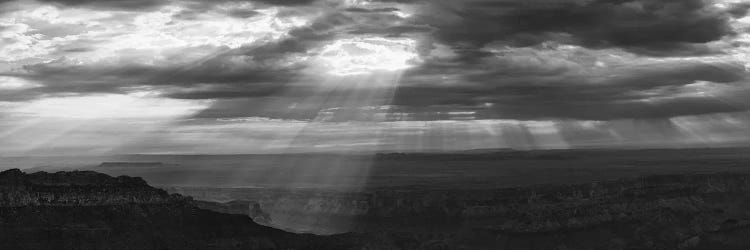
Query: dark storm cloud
{"points": [[287, 2], [509, 90], [360, 21], [271, 107], [650, 27], [18, 95], [637, 92], [647, 91], [245, 71], [740, 10], [228, 91], [116, 4], [476, 82], [392, 31], [243, 13], [250, 71], [493, 84], [146, 4]]}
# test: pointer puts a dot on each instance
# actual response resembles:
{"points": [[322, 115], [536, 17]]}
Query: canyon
{"points": [[691, 211], [89, 210]]}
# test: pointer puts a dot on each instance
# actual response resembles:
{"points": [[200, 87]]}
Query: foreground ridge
{"points": [[89, 210]]}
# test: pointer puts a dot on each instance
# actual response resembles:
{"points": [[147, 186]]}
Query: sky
{"points": [[89, 77]]}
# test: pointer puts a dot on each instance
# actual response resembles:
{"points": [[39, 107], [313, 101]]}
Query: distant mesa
{"points": [[124, 164]]}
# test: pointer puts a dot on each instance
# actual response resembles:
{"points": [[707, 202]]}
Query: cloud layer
{"points": [[385, 61]]}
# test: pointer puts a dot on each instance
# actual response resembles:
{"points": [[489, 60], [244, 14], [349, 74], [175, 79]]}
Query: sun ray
{"points": [[358, 82]]}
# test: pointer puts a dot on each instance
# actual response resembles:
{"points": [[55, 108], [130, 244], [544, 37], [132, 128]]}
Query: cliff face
{"points": [[703, 211], [79, 188], [88, 210]]}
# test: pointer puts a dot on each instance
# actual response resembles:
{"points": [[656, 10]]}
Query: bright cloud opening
{"points": [[367, 55]]}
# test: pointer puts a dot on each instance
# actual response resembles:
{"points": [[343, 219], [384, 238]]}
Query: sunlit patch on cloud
{"points": [[108, 106], [89, 124], [15, 83], [367, 55]]}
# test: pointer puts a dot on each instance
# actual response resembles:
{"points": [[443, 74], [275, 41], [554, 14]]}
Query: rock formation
{"points": [[88, 210]]}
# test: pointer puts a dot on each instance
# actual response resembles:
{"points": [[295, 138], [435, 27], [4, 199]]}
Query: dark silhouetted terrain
{"points": [[88, 210], [568, 199]]}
